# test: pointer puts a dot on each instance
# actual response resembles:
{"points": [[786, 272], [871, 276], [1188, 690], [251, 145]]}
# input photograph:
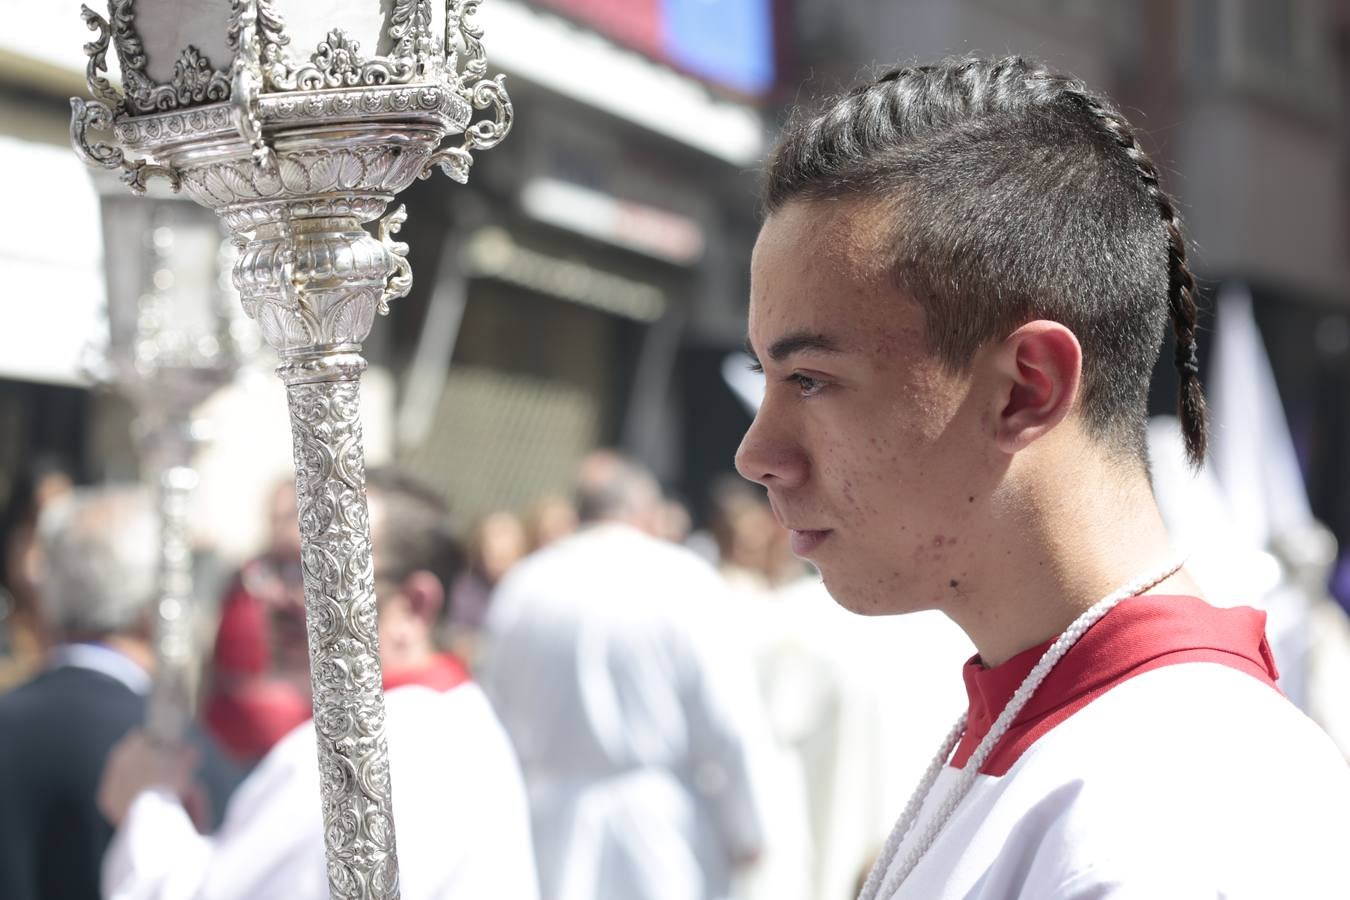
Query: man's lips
{"points": [[805, 541]]}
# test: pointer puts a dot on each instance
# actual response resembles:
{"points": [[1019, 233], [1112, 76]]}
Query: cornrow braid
{"points": [[1180, 282], [1022, 195]]}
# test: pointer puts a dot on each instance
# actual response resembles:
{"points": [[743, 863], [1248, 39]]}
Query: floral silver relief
{"points": [[344, 646], [301, 153], [194, 79]]}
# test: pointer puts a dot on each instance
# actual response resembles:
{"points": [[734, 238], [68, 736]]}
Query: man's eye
{"points": [[806, 384]]}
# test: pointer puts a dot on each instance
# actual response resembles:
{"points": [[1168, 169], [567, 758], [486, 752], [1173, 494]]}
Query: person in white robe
{"points": [[637, 730], [460, 811], [862, 702]]}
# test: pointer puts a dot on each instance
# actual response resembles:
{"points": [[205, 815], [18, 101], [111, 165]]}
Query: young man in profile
{"points": [[957, 299]]}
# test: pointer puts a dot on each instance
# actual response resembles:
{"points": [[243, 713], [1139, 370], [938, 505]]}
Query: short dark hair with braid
{"points": [[1015, 193]]}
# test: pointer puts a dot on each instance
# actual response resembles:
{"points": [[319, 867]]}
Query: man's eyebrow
{"points": [[799, 342]]}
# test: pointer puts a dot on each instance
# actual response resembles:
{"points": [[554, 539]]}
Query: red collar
{"points": [[441, 673], [1141, 634]]}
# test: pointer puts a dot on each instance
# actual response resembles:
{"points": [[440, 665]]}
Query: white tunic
{"points": [[866, 700], [1184, 775], [460, 815], [635, 727]]}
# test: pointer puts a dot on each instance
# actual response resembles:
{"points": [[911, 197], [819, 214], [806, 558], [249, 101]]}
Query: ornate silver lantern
{"points": [[169, 349], [296, 154]]}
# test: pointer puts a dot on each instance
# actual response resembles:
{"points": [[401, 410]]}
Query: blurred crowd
{"points": [[585, 700]]}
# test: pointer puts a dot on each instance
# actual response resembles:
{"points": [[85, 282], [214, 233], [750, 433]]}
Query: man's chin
{"points": [[850, 598], [870, 602]]}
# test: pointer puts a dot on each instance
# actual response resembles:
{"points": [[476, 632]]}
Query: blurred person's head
{"points": [[958, 295], [673, 521], [496, 542], [780, 565], [33, 489], [415, 557], [610, 487], [101, 567], [748, 537], [550, 519], [741, 523]]}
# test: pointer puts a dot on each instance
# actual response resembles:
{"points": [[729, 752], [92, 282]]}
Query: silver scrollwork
{"points": [[410, 30], [485, 133], [194, 80], [481, 135], [463, 35], [344, 647], [338, 63], [92, 114], [400, 275], [455, 163], [97, 51], [138, 172], [247, 81], [464, 52], [435, 102], [272, 38]]}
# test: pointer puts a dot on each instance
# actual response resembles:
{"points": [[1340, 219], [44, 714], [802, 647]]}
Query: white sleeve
{"points": [[459, 801], [156, 852], [269, 845], [497, 857], [1182, 880]]}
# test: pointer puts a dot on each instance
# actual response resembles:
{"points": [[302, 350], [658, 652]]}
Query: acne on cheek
{"points": [[861, 508], [935, 549]]}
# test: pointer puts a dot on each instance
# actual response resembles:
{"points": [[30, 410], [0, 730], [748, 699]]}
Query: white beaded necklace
{"points": [[878, 884]]}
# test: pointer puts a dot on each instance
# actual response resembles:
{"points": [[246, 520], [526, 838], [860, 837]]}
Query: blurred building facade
{"points": [[561, 288], [587, 285]]}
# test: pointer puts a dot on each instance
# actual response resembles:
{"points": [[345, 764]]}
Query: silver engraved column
{"points": [[298, 154]]}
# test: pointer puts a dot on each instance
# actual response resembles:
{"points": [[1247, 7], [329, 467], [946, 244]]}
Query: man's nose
{"points": [[767, 454]]}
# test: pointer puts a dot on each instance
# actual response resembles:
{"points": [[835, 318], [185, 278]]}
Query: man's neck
{"points": [[410, 658], [1082, 539], [127, 660], [134, 649]]}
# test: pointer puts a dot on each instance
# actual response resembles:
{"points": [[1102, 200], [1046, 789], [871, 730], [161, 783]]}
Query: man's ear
{"points": [[425, 595], [1040, 366]]}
